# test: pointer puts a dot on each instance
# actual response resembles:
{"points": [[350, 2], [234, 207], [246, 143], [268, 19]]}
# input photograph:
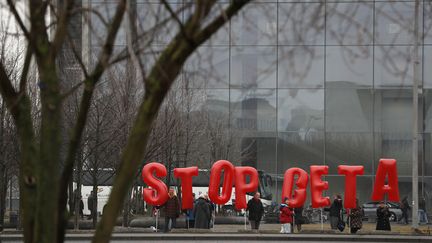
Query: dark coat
{"points": [[172, 207], [202, 213], [335, 208], [286, 214], [356, 218], [256, 209], [383, 222], [298, 216]]}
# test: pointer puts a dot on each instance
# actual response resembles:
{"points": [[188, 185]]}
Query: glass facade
{"points": [[299, 83]]}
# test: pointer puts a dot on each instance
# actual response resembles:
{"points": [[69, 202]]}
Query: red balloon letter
{"points": [[214, 184], [301, 183], [158, 195], [350, 173], [240, 184], [386, 167], [318, 186], [185, 175]]}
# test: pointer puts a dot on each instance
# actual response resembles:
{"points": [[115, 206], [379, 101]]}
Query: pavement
{"points": [[234, 233]]}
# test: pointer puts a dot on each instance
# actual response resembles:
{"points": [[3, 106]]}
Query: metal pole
{"points": [[416, 74]]}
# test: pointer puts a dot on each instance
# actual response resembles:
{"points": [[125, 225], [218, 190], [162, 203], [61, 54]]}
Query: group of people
{"points": [[200, 217]]}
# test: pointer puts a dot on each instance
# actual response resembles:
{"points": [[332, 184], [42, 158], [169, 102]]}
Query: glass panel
{"points": [[426, 196], [349, 23], [208, 68], [427, 166], [301, 67], [349, 110], [427, 22], [255, 25], [396, 146], [297, 149], [253, 110], [427, 71], [253, 67], [301, 110], [151, 15], [395, 22], [349, 66], [349, 149], [301, 23], [393, 111], [99, 23], [427, 110], [394, 66]]}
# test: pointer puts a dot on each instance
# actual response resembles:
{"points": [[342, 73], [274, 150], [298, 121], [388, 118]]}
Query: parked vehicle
{"points": [[371, 207]]}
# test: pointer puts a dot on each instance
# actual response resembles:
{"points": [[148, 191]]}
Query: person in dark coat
{"points": [[383, 217], [81, 207], [298, 218], [256, 211], [202, 213], [172, 210], [356, 218], [405, 207], [335, 211]]}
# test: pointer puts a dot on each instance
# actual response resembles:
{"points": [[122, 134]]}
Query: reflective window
{"points": [[301, 23], [396, 146], [253, 110], [297, 149], [349, 66], [253, 67], [301, 67], [349, 148], [395, 22], [427, 71], [349, 110], [255, 25], [393, 110], [208, 68], [301, 110], [349, 23], [99, 24], [394, 66]]}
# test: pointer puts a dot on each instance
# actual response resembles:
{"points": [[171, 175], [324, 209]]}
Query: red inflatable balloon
{"points": [[299, 197], [240, 184], [215, 176], [185, 175], [158, 194], [386, 167], [318, 186], [350, 173]]}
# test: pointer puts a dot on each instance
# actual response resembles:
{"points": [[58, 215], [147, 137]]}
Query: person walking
{"points": [[298, 218], [383, 217], [256, 211], [81, 207], [423, 218], [335, 212], [285, 217], [172, 210], [202, 213], [404, 207], [356, 218]]}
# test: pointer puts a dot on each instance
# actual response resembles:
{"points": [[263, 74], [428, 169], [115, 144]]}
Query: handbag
{"points": [[341, 224]]}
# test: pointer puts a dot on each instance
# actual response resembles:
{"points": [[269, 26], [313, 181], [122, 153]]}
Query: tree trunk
{"points": [[3, 187]]}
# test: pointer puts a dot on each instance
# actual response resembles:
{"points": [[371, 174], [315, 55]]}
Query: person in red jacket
{"points": [[285, 217]]}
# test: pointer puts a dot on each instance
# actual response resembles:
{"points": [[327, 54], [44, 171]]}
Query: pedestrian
{"points": [[383, 217], [190, 216], [356, 218], [298, 218], [172, 210], [285, 217], [256, 211], [90, 205], [335, 212], [212, 207], [404, 207], [202, 213]]}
